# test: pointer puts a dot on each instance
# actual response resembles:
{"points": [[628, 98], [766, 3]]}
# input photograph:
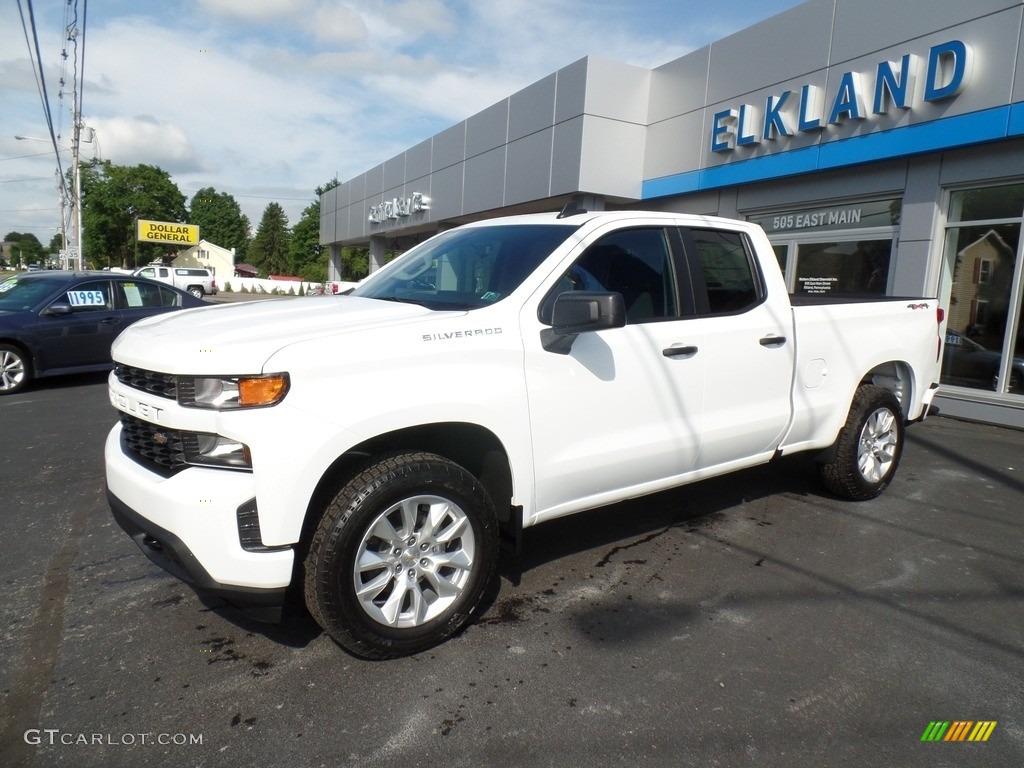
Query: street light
{"points": [[74, 252]]}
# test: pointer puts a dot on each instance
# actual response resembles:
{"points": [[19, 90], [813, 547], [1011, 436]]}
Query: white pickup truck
{"points": [[369, 450], [198, 282]]}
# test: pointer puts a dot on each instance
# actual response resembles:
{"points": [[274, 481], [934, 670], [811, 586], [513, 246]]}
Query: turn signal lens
{"points": [[266, 390]]}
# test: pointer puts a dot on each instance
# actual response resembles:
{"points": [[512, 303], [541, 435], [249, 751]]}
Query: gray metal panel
{"points": [[613, 157], [910, 269], [707, 203], [446, 192], [877, 180], [566, 157], [1009, 416], [394, 172], [417, 160], [571, 91], [359, 219], [532, 109], [374, 180], [485, 181], [357, 210], [487, 130], [618, 91], [679, 86], [920, 206], [781, 48], [357, 189], [863, 25], [344, 194], [528, 176], [327, 227], [449, 147], [674, 146], [328, 214], [980, 164], [343, 225]]}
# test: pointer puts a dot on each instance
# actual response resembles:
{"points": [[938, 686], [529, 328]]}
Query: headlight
{"points": [[229, 392], [215, 451]]}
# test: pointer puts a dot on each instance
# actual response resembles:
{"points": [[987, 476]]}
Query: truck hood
{"points": [[240, 338]]}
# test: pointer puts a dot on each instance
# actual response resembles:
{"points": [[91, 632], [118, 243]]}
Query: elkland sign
{"points": [[946, 70], [398, 207]]}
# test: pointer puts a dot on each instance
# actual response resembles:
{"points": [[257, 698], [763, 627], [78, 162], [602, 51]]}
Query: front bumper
{"points": [[173, 555], [188, 524]]}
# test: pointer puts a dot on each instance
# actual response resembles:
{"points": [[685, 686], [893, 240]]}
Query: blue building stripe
{"points": [[935, 136]]}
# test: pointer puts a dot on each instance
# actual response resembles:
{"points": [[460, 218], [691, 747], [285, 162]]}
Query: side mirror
{"points": [[576, 312], [58, 308]]}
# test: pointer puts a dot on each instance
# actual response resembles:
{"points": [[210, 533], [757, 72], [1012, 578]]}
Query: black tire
{"points": [[197, 291], [15, 369], [424, 536], [868, 449]]}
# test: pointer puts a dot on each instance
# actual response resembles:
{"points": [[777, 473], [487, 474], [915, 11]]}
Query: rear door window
{"points": [[725, 279]]}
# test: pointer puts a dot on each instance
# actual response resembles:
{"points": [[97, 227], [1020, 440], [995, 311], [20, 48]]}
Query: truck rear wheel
{"points": [[868, 448], [402, 556], [197, 291]]}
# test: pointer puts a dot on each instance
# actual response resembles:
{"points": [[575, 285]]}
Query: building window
{"points": [[982, 290], [850, 267], [838, 248]]}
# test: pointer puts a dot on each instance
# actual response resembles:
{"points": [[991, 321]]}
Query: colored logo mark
{"points": [[958, 730]]}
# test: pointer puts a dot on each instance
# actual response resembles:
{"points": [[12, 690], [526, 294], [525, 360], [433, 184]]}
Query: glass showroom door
{"points": [[981, 290]]}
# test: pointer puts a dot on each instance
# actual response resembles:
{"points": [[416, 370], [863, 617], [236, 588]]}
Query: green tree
{"points": [[306, 257], [114, 197], [269, 249], [355, 263], [56, 243], [26, 247], [220, 220]]}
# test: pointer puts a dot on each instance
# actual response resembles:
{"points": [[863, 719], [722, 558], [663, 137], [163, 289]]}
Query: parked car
{"points": [[965, 363], [198, 282], [56, 322]]}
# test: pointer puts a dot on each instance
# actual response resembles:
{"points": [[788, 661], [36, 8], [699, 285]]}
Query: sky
{"points": [[268, 99]]}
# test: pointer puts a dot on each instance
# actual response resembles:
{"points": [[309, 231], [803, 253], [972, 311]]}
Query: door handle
{"points": [[110, 320], [679, 351], [773, 341]]}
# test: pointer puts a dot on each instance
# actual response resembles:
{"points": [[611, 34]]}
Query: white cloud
{"points": [[144, 139], [256, 10]]}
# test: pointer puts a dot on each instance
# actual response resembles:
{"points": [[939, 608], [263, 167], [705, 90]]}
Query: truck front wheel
{"points": [[402, 556], [868, 448]]}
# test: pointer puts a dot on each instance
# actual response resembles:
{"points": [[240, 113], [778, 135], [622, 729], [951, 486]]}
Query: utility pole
{"points": [[76, 184]]}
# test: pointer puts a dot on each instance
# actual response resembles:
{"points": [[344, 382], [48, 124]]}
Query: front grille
{"points": [[162, 450], [159, 384]]}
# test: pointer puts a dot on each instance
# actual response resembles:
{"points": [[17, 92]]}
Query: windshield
{"points": [[22, 292], [467, 268]]}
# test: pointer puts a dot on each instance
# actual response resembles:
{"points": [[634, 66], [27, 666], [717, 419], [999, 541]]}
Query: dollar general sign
{"points": [[167, 232]]}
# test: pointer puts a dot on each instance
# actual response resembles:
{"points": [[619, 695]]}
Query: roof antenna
{"points": [[571, 208]]}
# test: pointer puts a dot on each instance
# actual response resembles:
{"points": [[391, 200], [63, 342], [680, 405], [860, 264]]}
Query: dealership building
{"points": [[880, 145]]}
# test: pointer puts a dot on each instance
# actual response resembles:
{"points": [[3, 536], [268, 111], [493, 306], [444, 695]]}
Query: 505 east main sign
{"points": [[946, 69]]}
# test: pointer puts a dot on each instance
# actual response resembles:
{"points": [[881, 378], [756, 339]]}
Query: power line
{"points": [[37, 66], [32, 178]]}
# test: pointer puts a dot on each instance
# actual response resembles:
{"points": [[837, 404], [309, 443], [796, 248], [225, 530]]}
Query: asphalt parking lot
{"points": [[750, 620]]}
